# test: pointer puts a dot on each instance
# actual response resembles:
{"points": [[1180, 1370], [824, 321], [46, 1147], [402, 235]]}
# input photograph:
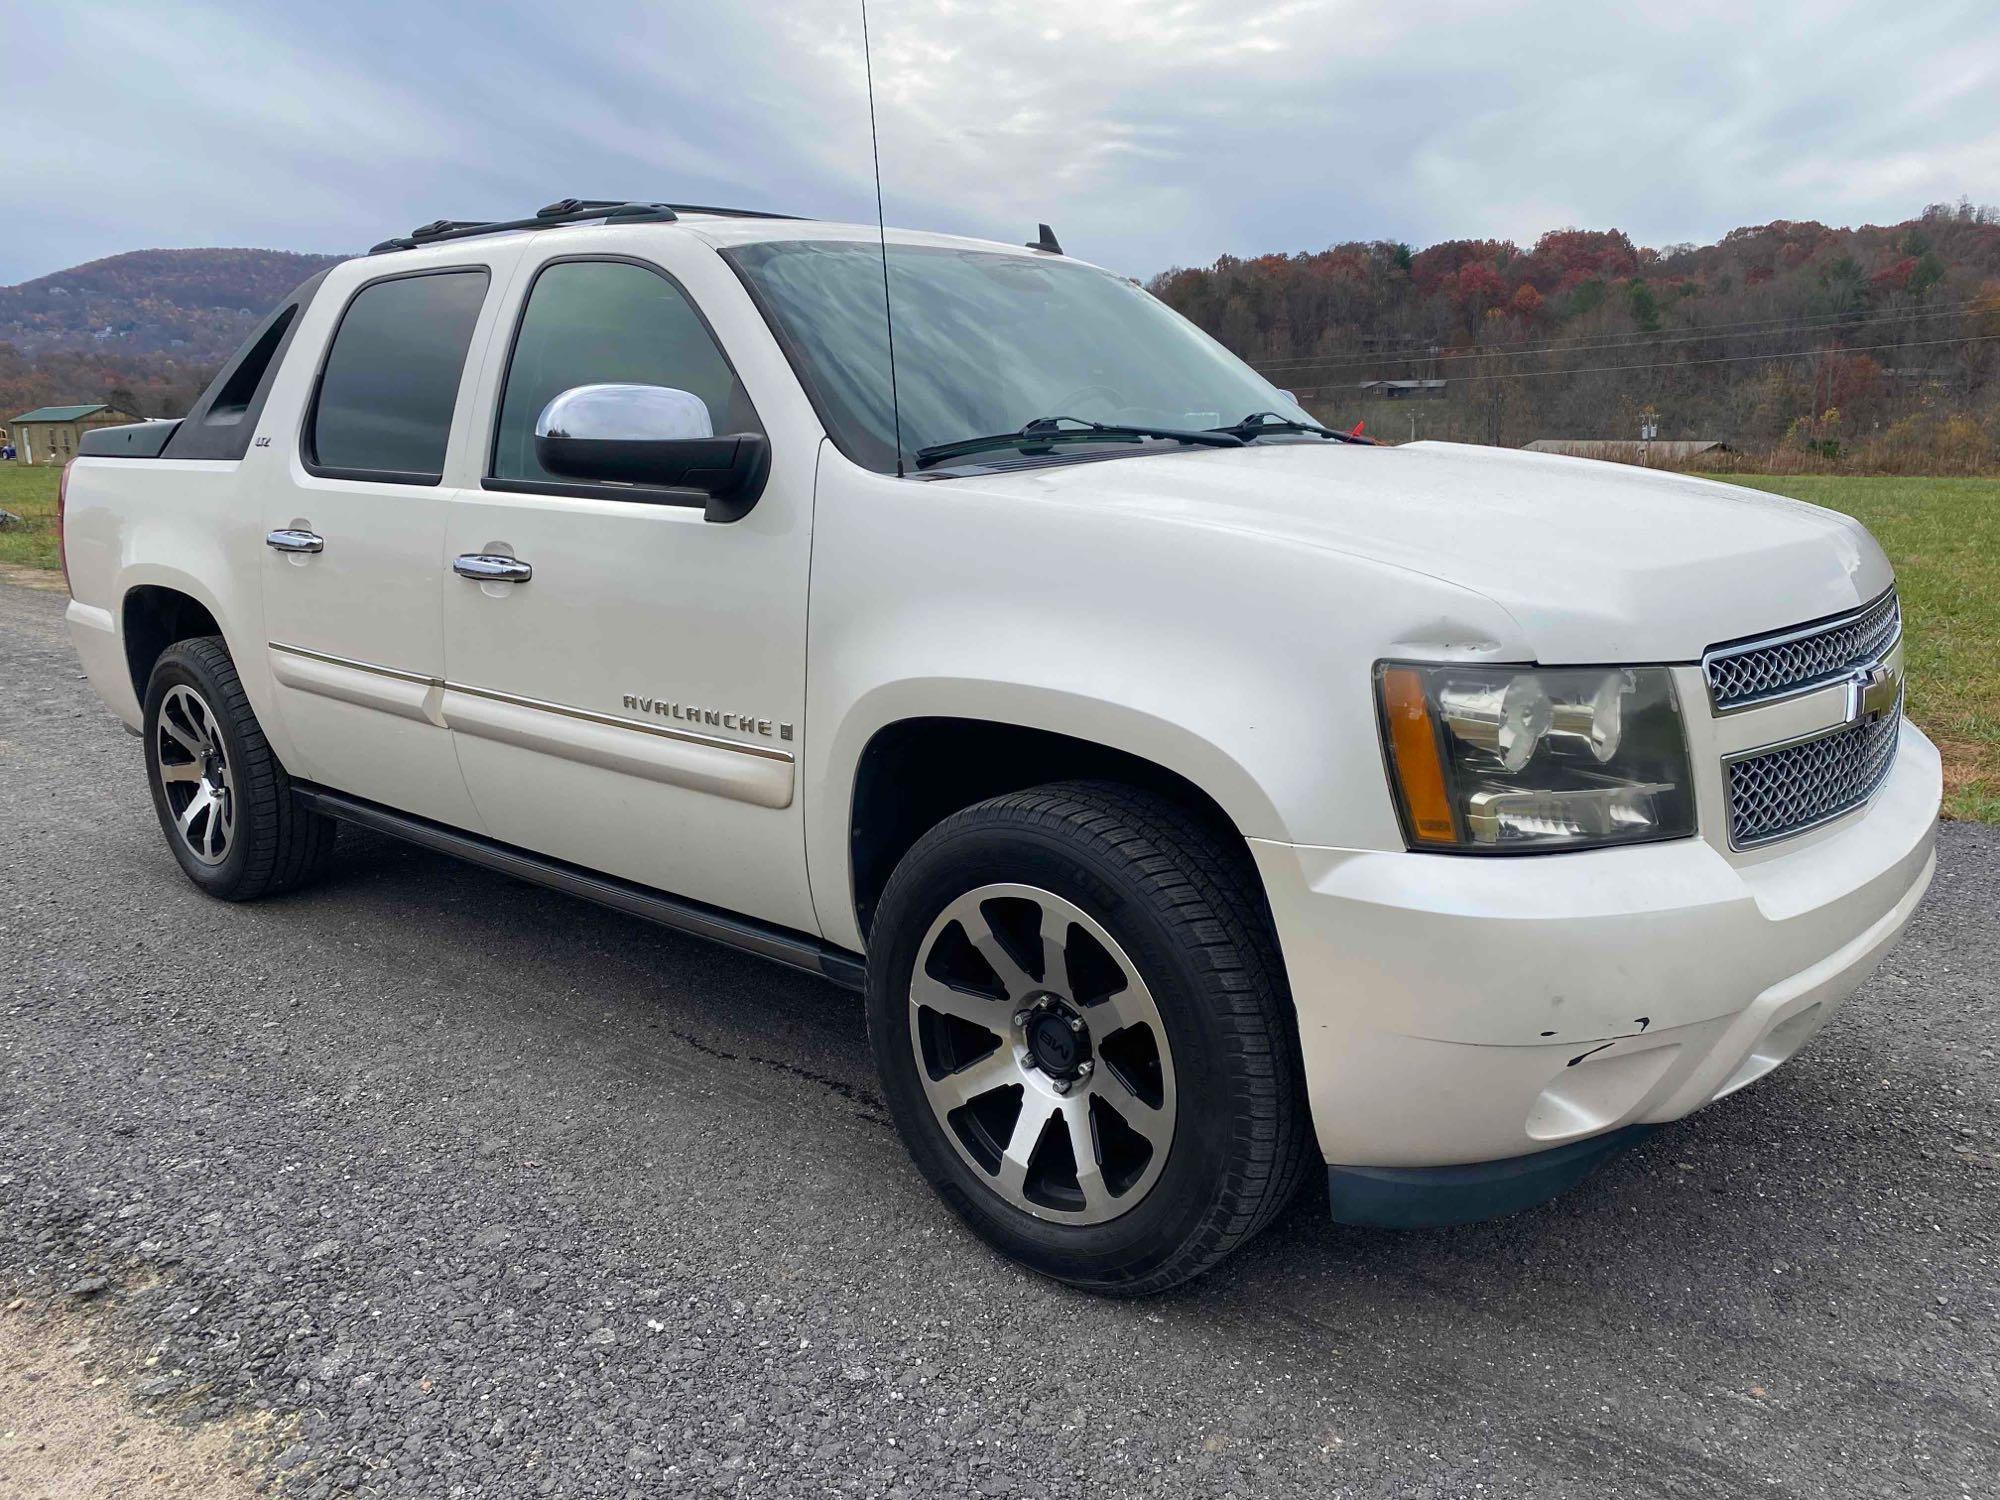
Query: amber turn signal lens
{"points": [[1413, 747]]}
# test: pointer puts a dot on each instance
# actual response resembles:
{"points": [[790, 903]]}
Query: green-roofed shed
{"points": [[52, 434]]}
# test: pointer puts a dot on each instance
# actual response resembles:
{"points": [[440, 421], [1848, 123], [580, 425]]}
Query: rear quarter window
{"points": [[222, 423]]}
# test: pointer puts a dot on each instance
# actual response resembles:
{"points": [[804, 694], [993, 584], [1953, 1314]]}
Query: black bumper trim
{"points": [[1435, 1197]]}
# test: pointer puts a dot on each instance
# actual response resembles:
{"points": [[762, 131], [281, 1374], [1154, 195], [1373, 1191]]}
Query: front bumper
{"points": [[1464, 1010]]}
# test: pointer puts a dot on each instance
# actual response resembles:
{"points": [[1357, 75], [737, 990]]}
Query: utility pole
{"points": [[1649, 429]]}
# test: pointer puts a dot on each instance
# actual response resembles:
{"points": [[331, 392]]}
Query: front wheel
{"points": [[1084, 1034], [224, 801]]}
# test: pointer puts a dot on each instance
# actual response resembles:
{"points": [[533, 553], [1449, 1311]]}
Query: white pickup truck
{"points": [[1195, 792]]}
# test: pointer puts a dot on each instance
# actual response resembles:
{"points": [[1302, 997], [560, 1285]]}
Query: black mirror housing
{"points": [[730, 470]]}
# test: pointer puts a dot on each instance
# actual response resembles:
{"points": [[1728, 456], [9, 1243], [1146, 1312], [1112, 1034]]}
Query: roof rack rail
{"points": [[564, 211], [733, 213]]}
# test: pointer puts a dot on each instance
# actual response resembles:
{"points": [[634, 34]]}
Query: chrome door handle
{"points": [[288, 540], [491, 567]]}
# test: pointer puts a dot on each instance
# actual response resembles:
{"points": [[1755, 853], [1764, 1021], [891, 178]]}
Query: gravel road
{"points": [[478, 1191]]}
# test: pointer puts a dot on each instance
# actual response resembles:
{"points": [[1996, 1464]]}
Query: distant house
{"points": [[1630, 450], [52, 434], [1404, 390]]}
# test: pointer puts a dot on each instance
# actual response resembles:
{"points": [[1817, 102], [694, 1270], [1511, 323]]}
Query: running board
{"points": [[779, 944]]}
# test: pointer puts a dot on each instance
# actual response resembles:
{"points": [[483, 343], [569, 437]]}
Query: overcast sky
{"points": [[1148, 132]]}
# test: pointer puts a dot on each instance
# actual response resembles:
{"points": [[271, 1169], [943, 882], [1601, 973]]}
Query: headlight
{"points": [[1502, 759]]}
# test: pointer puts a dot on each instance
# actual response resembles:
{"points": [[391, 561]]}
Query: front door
{"points": [[633, 700], [355, 545]]}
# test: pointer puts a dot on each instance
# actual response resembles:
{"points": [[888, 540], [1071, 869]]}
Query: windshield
{"points": [[986, 343]]}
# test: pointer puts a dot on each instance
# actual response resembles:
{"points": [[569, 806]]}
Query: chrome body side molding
{"points": [[407, 695], [762, 775], [616, 721], [743, 773]]}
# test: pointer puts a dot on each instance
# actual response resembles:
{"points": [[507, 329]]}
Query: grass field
{"points": [[1943, 535], [31, 495]]}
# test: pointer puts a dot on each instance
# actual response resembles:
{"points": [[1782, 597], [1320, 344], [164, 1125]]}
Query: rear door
{"points": [[636, 705], [354, 553]]}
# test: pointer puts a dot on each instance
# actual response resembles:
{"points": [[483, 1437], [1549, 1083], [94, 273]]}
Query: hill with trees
{"points": [[144, 330], [1793, 336]]}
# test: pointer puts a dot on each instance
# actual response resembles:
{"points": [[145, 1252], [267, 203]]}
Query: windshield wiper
{"points": [[1263, 423], [1045, 430]]}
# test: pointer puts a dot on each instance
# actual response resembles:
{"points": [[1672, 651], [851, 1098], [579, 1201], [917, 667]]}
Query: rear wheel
{"points": [[224, 801], [1084, 1035]]}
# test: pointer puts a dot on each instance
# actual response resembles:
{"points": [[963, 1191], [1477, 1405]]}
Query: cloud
{"points": [[1149, 132]]}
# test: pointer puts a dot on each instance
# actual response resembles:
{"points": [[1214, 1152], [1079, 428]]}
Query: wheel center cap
{"points": [[1057, 1047]]}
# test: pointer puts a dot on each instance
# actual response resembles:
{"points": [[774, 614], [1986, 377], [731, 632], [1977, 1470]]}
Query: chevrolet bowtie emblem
{"points": [[1874, 691]]}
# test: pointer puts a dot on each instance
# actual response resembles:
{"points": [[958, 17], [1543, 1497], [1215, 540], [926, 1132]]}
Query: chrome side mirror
{"points": [[652, 437], [625, 413]]}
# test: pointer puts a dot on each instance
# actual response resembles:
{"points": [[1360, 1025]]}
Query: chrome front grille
{"points": [[1787, 789], [1798, 661]]}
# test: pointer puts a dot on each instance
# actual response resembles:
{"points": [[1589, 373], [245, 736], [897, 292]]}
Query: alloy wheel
{"points": [[1042, 1054], [195, 774]]}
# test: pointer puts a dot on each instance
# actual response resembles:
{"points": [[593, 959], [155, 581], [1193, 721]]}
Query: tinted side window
{"points": [[592, 322], [391, 378]]}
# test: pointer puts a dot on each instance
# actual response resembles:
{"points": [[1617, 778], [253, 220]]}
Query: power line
{"points": [[1332, 363], [1537, 344], [1724, 359], [1764, 328]]}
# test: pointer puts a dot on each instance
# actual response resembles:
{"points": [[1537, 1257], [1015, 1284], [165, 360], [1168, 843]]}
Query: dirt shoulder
{"points": [[81, 1419]]}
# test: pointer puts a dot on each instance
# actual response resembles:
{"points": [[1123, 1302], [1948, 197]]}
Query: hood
{"points": [[1597, 562]]}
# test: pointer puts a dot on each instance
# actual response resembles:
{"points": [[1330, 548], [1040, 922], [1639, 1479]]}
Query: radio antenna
{"points": [[882, 235]]}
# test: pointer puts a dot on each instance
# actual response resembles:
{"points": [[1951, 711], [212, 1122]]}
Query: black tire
{"points": [[274, 843], [1184, 906]]}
